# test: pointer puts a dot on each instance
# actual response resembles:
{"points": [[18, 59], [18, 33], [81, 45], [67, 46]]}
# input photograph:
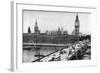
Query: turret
{"points": [[36, 29]]}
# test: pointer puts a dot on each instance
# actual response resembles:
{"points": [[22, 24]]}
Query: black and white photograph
{"points": [[47, 36], [55, 36]]}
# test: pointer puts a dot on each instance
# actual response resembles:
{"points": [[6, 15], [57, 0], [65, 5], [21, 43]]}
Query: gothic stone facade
{"points": [[55, 38]]}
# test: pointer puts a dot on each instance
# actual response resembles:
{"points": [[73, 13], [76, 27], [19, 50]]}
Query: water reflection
{"points": [[29, 55]]}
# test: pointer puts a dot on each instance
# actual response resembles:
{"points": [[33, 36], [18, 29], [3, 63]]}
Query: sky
{"points": [[50, 20]]}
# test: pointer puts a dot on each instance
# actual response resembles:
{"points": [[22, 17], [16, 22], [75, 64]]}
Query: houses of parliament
{"points": [[55, 37]]}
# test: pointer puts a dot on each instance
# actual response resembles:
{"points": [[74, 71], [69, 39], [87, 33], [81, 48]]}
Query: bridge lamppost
{"points": [[37, 48]]}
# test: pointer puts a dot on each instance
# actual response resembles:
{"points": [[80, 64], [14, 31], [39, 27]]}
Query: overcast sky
{"points": [[52, 20]]}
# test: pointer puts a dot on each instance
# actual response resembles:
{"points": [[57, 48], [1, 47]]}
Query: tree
{"points": [[29, 30]]}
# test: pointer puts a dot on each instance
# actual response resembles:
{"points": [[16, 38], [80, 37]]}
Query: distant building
{"points": [[36, 29], [59, 36], [77, 24], [56, 32]]}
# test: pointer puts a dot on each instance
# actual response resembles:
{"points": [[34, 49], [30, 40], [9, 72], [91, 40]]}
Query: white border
{"points": [[17, 37]]}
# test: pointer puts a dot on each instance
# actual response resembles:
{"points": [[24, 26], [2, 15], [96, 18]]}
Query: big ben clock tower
{"points": [[77, 25]]}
